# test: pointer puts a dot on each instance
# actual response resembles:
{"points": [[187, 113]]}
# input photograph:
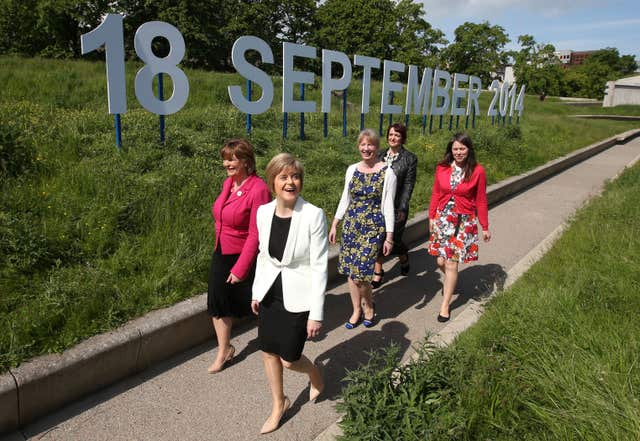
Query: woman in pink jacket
{"points": [[236, 245], [458, 202]]}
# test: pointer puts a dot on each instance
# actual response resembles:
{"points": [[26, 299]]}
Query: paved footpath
{"points": [[178, 400]]}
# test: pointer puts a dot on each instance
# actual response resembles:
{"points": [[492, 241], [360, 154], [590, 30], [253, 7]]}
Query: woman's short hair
{"points": [[372, 135], [399, 128], [241, 149], [280, 162]]}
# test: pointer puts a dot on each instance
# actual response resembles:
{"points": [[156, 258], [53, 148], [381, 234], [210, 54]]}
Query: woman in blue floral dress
{"points": [[458, 202], [367, 207]]}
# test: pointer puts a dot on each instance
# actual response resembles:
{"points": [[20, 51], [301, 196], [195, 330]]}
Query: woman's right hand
{"points": [[255, 306], [332, 235]]}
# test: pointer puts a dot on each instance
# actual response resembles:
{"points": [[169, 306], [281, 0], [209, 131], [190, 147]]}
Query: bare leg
{"points": [[377, 268], [222, 325], [450, 280], [305, 366], [440, 262], [356, 300], [366, 294], [280, 403]]}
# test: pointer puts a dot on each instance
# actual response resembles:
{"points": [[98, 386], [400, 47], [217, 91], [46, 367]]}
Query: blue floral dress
{"points": [[363, 231], [454, 236]]}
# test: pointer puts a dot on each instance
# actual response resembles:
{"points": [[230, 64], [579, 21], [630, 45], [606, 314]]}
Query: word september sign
{"points": [[437, 93], [429, 96]]}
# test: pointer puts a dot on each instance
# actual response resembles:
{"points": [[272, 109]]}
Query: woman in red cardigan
{"points": [[236, 246], [458, 201]]}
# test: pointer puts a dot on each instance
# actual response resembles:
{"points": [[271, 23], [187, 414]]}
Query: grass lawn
{"points": [[91, 237], [555, 357]]}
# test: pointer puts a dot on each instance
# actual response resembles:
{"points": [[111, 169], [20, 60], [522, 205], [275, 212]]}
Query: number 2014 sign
{"points": [[435, 86]]}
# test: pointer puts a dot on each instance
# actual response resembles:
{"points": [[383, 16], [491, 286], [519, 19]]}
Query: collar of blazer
{"points": [[270, 210], [241, 193]]}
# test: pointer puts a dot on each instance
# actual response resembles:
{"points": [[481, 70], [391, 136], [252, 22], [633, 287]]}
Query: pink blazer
{"points": [[235, 221]]}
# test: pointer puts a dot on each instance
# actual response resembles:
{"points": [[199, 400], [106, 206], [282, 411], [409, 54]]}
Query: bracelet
{"points": [[389, 241]]}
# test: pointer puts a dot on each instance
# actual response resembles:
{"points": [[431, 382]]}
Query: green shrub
{"points": [[17, 155]]}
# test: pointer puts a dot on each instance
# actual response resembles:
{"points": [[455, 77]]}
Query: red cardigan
{"points": [[235, 221], [469, 197]]}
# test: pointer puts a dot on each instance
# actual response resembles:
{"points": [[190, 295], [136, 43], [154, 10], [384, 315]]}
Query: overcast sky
{"points": [[576, 24]]}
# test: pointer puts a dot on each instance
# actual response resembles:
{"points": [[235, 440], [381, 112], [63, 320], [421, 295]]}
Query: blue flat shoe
{"points": [[370, 322]]}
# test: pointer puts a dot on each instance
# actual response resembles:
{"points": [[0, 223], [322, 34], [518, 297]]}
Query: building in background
{"points": [[563, 56], [622, 92], [570, 58]]}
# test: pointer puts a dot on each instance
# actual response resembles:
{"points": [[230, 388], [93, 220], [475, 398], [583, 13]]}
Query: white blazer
{"points": [[304, 261]]}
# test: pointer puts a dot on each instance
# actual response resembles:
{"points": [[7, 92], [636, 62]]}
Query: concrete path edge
{"points": [[46, 383]]}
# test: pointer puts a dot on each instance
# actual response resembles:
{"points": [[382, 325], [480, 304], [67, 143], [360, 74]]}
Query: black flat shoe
{"points": [[443, 319], [378, 283]]}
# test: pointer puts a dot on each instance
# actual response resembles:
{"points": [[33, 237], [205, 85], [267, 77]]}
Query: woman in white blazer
{"points": [[290, 281], [367, 205]]}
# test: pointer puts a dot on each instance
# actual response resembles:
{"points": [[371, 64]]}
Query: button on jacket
{"points": [[235, 221], [469, 197]]}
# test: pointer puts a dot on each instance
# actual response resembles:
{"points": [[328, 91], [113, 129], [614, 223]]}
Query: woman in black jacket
{"points": [[404, 164]]}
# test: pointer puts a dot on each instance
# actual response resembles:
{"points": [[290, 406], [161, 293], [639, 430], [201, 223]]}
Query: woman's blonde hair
{"points": [[372, 135], [280, 162]]}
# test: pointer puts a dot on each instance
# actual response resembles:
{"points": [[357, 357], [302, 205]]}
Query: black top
{"points": [[279, 233]]}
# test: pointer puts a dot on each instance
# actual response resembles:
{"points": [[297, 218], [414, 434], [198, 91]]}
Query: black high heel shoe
{"points": [[378, 283]]}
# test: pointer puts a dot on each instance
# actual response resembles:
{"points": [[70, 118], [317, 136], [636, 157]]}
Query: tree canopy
{"points": [[387, 29], [478, 49]]}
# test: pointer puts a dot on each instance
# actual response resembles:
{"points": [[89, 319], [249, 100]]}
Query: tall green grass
{"points": [[555, 357], [91, 237]]}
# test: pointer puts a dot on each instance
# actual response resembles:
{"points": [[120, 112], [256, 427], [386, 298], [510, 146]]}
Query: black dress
{"points": [[280, 332], [226, 299]]}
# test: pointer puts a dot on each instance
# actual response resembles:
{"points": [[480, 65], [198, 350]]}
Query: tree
{"points": [[378, 28], [417, 41], [478, 49], [537, 66], [50, 28], [355, 27], [589, 79]]}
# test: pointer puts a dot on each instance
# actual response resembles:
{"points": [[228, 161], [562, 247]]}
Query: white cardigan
{"points": [[388, 197], [304, 261]]}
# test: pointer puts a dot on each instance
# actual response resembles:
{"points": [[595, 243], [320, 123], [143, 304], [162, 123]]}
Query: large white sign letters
{"points": [[428, 91]]}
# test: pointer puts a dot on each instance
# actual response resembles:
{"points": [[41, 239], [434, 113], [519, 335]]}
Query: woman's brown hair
{"points": [[470, 163], [242, 150]]}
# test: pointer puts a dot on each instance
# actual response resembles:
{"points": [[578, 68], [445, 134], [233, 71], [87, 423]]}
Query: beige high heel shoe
{"points": [[215, 369], [270, 425]]}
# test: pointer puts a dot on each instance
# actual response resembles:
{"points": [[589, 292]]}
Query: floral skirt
{"points": [[454, 236]]}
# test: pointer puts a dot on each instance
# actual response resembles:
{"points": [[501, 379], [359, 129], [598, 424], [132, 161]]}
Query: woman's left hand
{"points": [[313, 328], [255, 306], [387, 247], [486, 235], [232, 279]]}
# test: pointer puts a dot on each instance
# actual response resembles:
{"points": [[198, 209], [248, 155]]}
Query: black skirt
{"points": [[225, 299], [281, 332]]}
